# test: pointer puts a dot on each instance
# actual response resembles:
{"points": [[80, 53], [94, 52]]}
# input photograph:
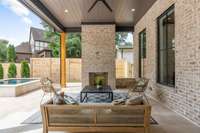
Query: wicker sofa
{"points": [[96, 118]]}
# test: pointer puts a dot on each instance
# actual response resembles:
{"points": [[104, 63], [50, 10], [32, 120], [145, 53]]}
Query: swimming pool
{"points": [[18, 86], [14, 81]]}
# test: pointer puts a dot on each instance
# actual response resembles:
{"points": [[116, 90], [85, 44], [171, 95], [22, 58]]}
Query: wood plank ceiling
{"points": [[78, 13]]}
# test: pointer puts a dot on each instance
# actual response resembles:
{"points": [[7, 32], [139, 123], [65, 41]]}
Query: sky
{"points": [[16, 21], [130, 38]]}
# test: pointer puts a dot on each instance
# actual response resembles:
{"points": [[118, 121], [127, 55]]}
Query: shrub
{"points": [[12, 71], [11, 54], [1, 71], [25, 70]]}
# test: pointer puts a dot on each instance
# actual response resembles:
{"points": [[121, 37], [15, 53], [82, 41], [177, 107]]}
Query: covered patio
{"points": [[162, 30], [90, 18], [17, 110]]}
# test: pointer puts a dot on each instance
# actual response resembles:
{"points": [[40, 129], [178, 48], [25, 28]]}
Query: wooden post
{"points": [[147, 115], [63, 61]]}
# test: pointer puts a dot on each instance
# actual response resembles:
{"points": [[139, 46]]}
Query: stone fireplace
{"points": [[98, 77], [98, 54]]}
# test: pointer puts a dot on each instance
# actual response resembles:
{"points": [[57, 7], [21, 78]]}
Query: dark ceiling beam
{"points": [[104, 2], [124, 28], [73, 29], [118, 29], [97, 23], [44, 10]]}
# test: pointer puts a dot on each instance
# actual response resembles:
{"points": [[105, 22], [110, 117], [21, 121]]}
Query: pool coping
{"points": [[16, 85]]}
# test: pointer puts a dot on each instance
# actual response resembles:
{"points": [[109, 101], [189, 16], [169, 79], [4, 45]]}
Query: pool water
{"points": [[14, 81]]}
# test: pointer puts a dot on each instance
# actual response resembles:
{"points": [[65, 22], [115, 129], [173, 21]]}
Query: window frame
{"points": [[144, 49], [142, 56], [166, 13]]}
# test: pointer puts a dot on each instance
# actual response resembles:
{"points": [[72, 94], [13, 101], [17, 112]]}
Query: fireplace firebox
{"points": [[98, 78]]}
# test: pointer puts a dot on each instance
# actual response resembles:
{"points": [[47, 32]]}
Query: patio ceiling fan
{"points": [[103, 1]]}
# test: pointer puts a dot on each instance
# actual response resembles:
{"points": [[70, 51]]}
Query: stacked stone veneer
{"points": [[185, 97], [98, 51]]}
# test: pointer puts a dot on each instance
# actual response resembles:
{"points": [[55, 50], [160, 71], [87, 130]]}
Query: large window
{"points": [[166, 45], [142, 51], [40, 45]]}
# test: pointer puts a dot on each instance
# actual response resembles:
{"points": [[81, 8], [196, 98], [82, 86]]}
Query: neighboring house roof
{"points": [[38, 35], [24, 47], [125, 47]]}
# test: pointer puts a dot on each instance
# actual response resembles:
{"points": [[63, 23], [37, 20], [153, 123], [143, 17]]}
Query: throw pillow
{"points": [[58, 99], [69, 100], [134, 100], [141, 82], [119, 102]]}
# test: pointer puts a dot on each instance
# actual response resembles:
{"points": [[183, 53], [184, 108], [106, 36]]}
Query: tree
{"points": [[54, 38], [120, 38], [12, 71], [1, 71], [55, 44], [3, 50], [73, 47], [25, 70], [11, 54]]}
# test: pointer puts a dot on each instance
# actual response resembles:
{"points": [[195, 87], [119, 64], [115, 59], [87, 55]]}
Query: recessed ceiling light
{"points": [[66, 11], [132, 10]]}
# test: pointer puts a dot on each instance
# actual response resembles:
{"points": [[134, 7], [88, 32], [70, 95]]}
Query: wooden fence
{"points": [[124, 69], [50, 67], [6, 66]]}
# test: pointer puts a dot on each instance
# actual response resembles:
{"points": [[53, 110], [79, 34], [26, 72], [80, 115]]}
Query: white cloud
{"points": [[130, 38], [18, 9], [27, 20]]}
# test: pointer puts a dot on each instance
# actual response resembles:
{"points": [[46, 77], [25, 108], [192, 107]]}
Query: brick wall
{"points": [[185, 97], [98, 51]]}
